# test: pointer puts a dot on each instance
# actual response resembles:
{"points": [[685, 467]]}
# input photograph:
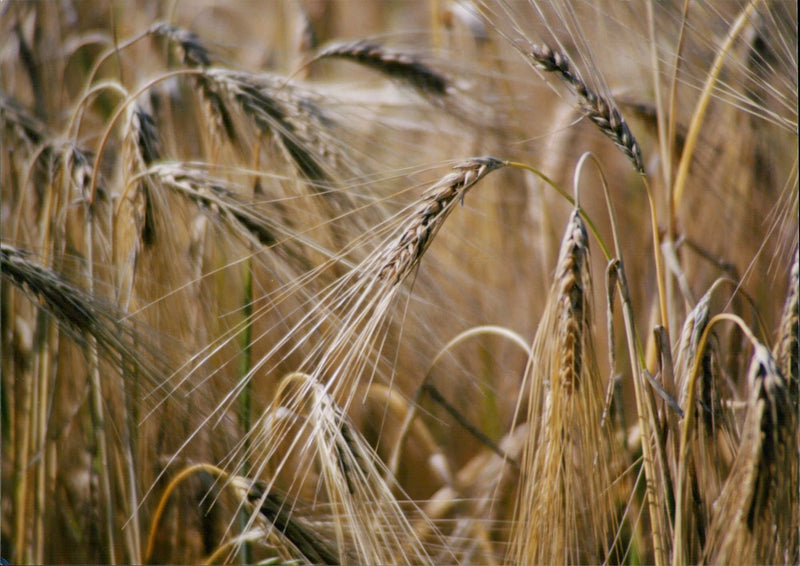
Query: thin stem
{"points": [[702, 105], [644, 406], [673, 103], [162, 503], [662, 293], [96, 397], [569, 199]]}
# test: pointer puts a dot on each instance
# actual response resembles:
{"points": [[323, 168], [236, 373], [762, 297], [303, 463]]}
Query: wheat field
{"points": [[399, 282]]}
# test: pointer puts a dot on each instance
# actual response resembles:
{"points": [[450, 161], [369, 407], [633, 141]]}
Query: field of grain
{"points": [[399, 282]]}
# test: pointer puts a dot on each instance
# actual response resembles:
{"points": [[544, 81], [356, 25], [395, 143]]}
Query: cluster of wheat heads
{"points": [[452, 282]]}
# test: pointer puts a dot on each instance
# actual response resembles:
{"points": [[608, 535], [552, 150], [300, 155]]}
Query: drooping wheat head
{"points": [[397, 65], [429, 214], [564, 511], [755, 518], [599, 109]]}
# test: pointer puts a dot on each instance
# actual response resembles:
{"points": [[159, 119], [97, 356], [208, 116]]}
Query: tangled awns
{"points": [[383, 282]]}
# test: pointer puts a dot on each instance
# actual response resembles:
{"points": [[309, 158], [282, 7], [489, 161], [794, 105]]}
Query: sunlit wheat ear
{"points": [[341, 330], [397, 65], [564, 512], [599, 109], [81, 315], [344, 335], [785, 351], [428, 215], [306, 424], [755, 519]]}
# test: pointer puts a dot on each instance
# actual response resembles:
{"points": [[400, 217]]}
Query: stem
{"points": [[162, 503], [662, 293], [673, 103], [702, 105], [644, 405], [96, 395], [569, 199]]}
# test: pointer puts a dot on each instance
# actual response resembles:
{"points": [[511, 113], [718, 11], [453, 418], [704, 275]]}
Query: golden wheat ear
{"points": [[755, 519], [565, 513], [429, 214]]}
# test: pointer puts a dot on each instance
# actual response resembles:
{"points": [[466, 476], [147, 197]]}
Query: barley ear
{"points": [[564, 513], [785, 351], [755, 519], [601, 110], [397, 65], [429, 214]]}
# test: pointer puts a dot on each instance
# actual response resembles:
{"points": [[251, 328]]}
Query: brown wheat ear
{"points": [[565, 512], [82, 315], [141, 148], [785, 351], [193, 53], [600, 110], [397, 65], [756, 516], [428, 215]]}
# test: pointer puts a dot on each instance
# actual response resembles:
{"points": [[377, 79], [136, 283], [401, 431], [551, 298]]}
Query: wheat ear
{"points": [[429, 215], [193, 53], [599, 109], [564, 512], [785, 351], [755, 519], [80, 314], [400, 66]]}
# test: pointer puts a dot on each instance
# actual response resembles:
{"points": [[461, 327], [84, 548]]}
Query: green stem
{"points": [[569, 199]]}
